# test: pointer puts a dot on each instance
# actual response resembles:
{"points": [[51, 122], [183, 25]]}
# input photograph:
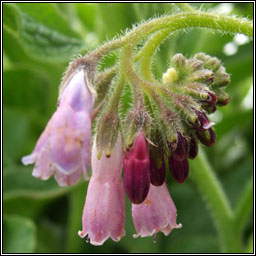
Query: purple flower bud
{"points": [[181, 151], [223, 102], [63, 148], [212, 99], [207, 137], [157, 175], [104, 210], [157, 213], [202, 123], [136, 170], [193, 148], [179, 169]]}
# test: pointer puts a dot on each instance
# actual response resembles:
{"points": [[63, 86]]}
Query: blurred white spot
{"points": [[216, 117], [230, 48], [224, 8], [248, 100], [241, 39], [91, 40]]}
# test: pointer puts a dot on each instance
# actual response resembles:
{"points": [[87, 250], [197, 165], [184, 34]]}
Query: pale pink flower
{"points": [[157, 213], [104, 210], [63, 148]]}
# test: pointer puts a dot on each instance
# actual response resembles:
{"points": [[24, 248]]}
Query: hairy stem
{"points": [[203, 175], [196, 19]]}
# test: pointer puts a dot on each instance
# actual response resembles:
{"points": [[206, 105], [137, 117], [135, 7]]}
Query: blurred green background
{"points": [[39, 39]]}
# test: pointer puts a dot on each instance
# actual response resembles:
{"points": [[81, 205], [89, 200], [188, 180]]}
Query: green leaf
{"points": [[10, 18], [19, 235], [43, 33], [16, 127], [20, 88], [18, 182]]}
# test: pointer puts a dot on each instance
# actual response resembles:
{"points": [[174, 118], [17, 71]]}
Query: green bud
{"points": [[178, 62], [136, 120], [223, 97], [107, 131], [222, 78], [194, 65], [203, 76]]}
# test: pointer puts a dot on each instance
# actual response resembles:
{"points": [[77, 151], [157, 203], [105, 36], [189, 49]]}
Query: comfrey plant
{"points": [[164, 123]]}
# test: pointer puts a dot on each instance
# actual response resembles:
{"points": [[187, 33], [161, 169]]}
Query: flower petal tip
{"points": [[30, 159]]}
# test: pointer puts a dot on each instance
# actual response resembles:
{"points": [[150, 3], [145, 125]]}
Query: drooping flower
{"points": [[136, 170], [63, 148], [157, 213], [104, 210]]}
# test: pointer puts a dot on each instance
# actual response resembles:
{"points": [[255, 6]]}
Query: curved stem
{"points": [[203, 175], [147, 52], [179, 21]]}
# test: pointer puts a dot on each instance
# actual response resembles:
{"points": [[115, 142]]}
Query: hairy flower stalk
{"points": [[157, 121]]}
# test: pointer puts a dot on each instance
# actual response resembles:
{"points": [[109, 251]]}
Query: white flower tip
{"points": [[81, 234], [208, 125], [178, 225], [30, 159], [135, 235]]}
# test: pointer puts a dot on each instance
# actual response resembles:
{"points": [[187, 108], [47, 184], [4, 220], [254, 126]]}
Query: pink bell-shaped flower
{"points": [[137, 170], [157, 213], [104, 210], [63, 148]]}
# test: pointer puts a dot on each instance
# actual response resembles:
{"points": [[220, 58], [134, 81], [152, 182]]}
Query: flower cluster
{"points": [[160, 127]]}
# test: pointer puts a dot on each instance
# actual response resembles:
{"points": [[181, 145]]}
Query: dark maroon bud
{"points": [[181, 151], [207, 137], [193, 148], [212, 99], [223, 102], [137, 170], [179, 169], [202, 123], [157, 175]]}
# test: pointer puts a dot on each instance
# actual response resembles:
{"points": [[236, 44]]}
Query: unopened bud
{"points": [[194, 65], [179, 169], [178, 61], [223, 97], [207, 137], [193, 148], [136, 170], [107, 132], [203, 76], [202, 123], [157, 174], [222, 78], [181, 151]]}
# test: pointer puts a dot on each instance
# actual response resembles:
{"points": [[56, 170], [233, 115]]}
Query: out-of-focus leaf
{"points": [[43, 33], [19, 182], [112, 19], [21, 88], [233, 121], [16, 127], [10, 18], [86, 12], [19, 235], [50, 237]]}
